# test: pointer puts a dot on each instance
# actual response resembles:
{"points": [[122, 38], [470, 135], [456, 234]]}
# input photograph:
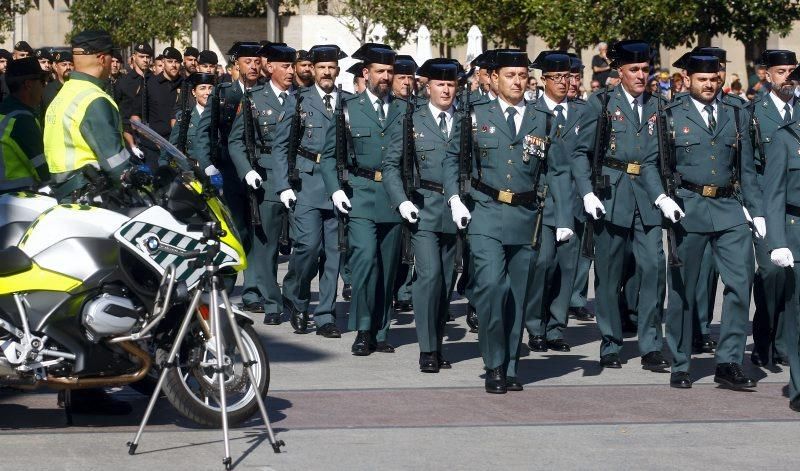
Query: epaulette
{"points": [[737, 98], [256, 88], [347, 94], [673, 103], [354, 96], [224, 84], [579, 100]]}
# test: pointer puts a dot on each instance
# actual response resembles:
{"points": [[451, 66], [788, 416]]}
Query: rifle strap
{"points": [[737, 161], [671, 158], [348, 135], [256, 125], [475, 149]]}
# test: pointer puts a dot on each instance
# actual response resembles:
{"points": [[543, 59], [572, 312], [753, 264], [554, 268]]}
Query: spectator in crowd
{"points": [[653, 87], [532, 93], [664, 82], [677, 84], [613, 79], [158, 65], [736, 89], [601, 66], [595, 85]]}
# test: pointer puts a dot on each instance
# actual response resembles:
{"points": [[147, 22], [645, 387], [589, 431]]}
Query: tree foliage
{"points": [[8, 10]]}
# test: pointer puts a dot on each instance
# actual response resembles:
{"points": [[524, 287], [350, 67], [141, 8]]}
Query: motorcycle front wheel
{"points": [[193, 386]]}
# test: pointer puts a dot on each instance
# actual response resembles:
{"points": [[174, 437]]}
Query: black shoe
{"points": [[472, 319], [360, 346], [654, 361], [610, 360], [347, 292], [443, 364], [93, 402], [273, 318], [428, 363], [580, 313], [680, 380], [384, 347], [703, 344], [299, 321], [512, 384], [758, 359], [329, 331], [255, 308], [778, 360], [403, 306], [495, 381], [730, 375], [794, 404], [558, 345], [537, 343]]}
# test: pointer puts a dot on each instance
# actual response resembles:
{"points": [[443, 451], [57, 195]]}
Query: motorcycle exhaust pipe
{"points": [[107, 381]]}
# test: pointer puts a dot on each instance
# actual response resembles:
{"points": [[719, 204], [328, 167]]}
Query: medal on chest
{"points": [[533, 146]]}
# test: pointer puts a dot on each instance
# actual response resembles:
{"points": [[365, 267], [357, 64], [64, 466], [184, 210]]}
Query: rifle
{"points": [[599, 181], [186, 118], [755, 128], [145, 104], [213, 129], [464, 169], [295, 134], [539, 151], [409, 183], [252, 155], [341, 165], [669, 177]]}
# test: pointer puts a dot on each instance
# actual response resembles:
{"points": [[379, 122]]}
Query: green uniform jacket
{"points": [[371, 141], [191, 135], [269, 112], [230, 96], [628, 142], [769, 120], [498, 162], [782, 187], [706, 158], [430, 152]]}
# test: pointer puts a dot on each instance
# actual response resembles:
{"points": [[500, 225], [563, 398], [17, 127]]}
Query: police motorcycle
{"points": [[92, 297]]}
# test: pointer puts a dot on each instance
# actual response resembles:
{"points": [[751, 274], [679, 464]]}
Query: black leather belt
{"points": [[793, 210], [631, 168], [374, 175], [309, 155], [432, 186], [709, 191], [507, 197]]}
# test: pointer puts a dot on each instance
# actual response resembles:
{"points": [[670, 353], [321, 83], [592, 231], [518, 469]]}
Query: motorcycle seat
{"points": [[13, 261]]}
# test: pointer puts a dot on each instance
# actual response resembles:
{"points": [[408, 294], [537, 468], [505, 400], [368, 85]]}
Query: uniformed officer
{"points": [[82, 125], [303, 70], [434, 232], [633, 197], [268, 108], [159, 102], [313, 222], [45, 60], [484, 62], [62, 65], [510, 139], [775, 109], [5, 58], [713, 155], [782, 207], [374, 223], [546, 310], [201, 86], [22, 163], [190, 56], [22, 50], [207, 62], [359, 82], [128, 87]]}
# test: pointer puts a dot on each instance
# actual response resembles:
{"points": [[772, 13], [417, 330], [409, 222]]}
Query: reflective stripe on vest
{"points": [[65, 148], [16, 170]]}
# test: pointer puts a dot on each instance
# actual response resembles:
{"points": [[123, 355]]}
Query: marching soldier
{"points": [[546, 315], [782, 206], [207, 62], [359, 82], [713, 155], [633, 197], [62, 65], [313, 222], [434, 234], [373, 226], [45, 61], [510, 146], [269, 101], [775, 110], [128, 87], [201, 86], [22, 162], [303, 70]]}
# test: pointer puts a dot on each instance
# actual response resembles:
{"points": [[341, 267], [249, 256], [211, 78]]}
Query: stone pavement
{"points": [[337, 411]]}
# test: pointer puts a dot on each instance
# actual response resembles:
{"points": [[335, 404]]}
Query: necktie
{"points": [[328, 107], [512, 126], [561, 121], [635, 106], [787, 114], [283, 96], [381, 113], [443, 123], [712, 123]]}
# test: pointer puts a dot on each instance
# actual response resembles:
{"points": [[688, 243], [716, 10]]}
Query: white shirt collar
{"points": [[780, 103], [372, 98], [277, 91], [435, 113], [322, 94], [701, 107], [520, 107], [199, 108], [551, 105], [629, 97], [241, 85]]}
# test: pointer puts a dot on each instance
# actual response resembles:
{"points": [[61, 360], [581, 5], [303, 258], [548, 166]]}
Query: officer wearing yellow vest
{"points": [[82, 125], [22, 164]]}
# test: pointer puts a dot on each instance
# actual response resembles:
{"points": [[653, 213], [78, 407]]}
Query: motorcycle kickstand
{"points": [[65, 400]]}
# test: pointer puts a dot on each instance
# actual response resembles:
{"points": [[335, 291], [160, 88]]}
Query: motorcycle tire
{"points": [[190, 406]]}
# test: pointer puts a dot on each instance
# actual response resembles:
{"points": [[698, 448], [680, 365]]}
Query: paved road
{"points": [[336, 411]]}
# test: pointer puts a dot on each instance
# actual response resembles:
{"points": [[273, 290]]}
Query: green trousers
{"points": [[261, 275], [433, 255], [580, 285], [769, 298]]}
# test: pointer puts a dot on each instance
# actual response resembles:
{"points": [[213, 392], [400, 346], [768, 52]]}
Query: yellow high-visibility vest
{"points": [[17, 171]]}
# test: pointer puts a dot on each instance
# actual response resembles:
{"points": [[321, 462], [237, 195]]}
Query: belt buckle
{"points": [[504, 196], [633, 169], [378, 176], [710, 191], [319, 157]]}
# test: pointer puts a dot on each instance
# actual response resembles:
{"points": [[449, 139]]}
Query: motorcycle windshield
{"points": [[175, 156]]}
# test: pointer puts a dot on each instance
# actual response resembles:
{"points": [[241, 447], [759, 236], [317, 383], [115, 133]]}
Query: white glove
{"points": [[747, 214], [253, 179], [563, 234], [288, 198], [137, 152], [592, 204], [341, 201], [669, 208], [211, 170], [761, 227], [409, 212], [460, 213], [782, 257]]}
